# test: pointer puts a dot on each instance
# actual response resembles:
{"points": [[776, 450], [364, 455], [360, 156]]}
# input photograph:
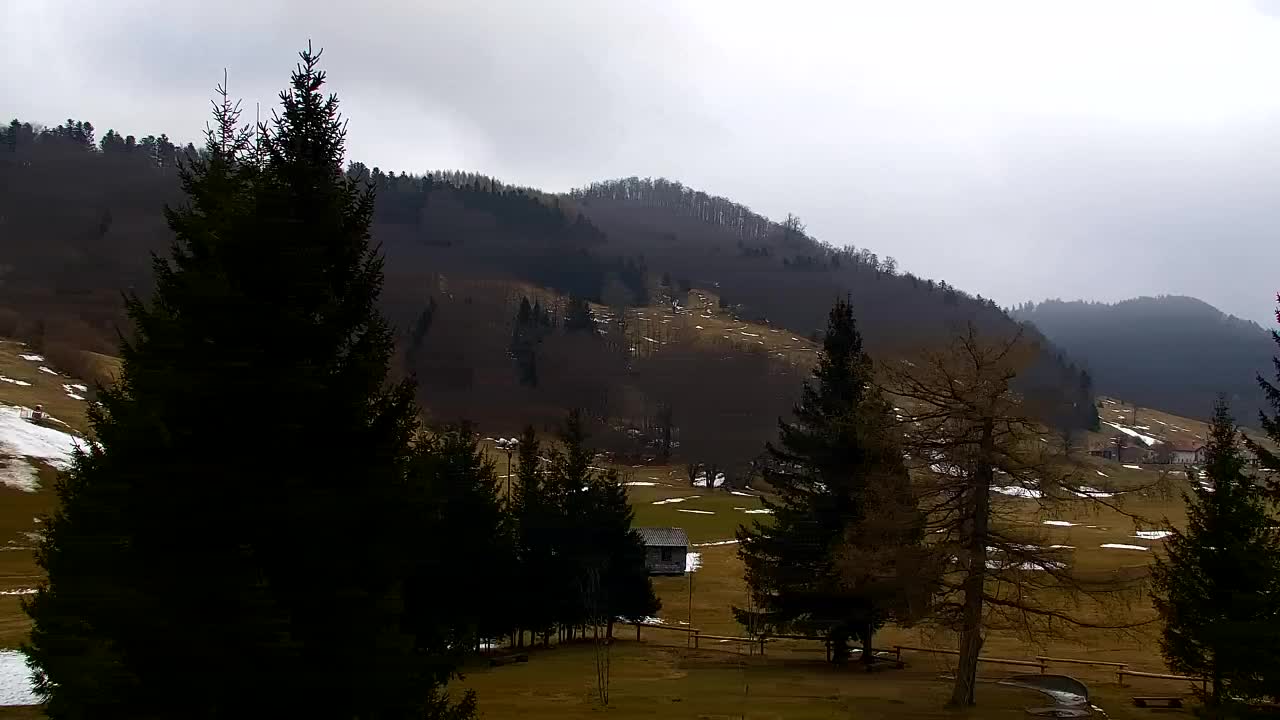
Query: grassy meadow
{"points": [[660, 676]]}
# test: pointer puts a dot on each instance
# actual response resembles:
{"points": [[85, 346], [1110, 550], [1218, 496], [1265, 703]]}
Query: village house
{"points": [[665, 549], [1182, 454]]}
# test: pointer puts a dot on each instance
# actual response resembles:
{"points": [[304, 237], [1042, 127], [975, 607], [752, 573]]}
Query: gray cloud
{"points": [[1089, 149]]}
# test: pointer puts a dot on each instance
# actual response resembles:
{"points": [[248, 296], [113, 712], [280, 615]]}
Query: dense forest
{"points": [[463, 251], [1174, 353]]}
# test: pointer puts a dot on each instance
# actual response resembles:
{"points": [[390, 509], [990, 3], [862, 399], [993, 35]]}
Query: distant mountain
{"points": [[463, 251], [1171, 352]]}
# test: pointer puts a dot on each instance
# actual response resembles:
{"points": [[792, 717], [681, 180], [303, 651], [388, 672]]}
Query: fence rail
{"points": [[990, 660], [1121, 673]]}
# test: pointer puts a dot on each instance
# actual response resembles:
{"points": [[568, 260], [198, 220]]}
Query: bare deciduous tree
{"points": [[982, 468]]}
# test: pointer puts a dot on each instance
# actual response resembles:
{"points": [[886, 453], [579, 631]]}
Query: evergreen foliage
{"points": [[240, 536], [464, 548], [831, 461], [1218, 588]]}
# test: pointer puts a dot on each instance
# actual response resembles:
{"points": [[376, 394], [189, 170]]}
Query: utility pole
{"points": [[508, 445]]}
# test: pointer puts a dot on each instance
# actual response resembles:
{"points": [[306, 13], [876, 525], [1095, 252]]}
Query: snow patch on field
{"points": [[1102, 474], [23, 438], [1122, 546], [1017, 491], [20, 383], [1152, 534], [20, 591], [692, 561], [697, 512], [640, 483], [1133, 433], [1060, 523], [15, 680], [1092, 492], [715, 543], [742, 494], [32, 358], [1134, 467], [759, 511], [674, 500], [44, 369], [18, 474]]}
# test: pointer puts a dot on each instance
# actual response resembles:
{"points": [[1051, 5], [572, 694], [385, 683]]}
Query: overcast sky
{"points": [[1019, 149]]}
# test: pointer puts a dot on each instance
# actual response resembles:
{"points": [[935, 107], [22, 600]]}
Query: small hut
{"points": [[665, 549]]}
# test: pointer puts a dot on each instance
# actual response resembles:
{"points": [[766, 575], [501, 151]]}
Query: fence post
{"points": [[637, 632], [1120, 677]]}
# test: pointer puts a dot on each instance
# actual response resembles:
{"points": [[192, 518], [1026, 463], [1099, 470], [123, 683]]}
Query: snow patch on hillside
{"points": [[15, 680], [20, 437]]}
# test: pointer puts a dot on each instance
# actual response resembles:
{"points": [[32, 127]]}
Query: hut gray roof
{"points": [[663, 536]]}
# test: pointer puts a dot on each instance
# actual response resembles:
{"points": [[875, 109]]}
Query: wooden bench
{"points": [[1158, 702]]}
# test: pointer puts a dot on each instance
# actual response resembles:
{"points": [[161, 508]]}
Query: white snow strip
{"points": [[697, 512], [640, 483], [18, 474], [32, 358], [1134, 433], [1152, 534], [21, 591], [759, 511], [749, 334], [698, 327], [1045, 565], [1122, 546], [74, 396], [717, 542], [1102, 473], [20, 437], [15, 680], [649, 339], [692, 561], [1060, 523], [1062, 547], [1092, 492], [77, 387], [44, 369], [1133, 467], [1017, 491], [22, 383], [674, 500], [742, 494]]}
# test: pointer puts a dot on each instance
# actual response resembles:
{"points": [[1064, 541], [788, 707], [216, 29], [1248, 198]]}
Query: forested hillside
{"points": [[1175, 353], [462, 253]]}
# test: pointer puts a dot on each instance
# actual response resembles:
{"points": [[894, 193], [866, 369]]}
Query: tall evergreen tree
{"points": [[464, 541], [238, 540], [1270, 424], [1218, 589], [536, 520], [837, 453]]}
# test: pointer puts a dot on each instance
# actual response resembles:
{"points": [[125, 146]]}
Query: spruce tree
{"points": [[1218, 589], [536, 518], [465, 544], [831, 461], [237, 542], [1270, 424]]}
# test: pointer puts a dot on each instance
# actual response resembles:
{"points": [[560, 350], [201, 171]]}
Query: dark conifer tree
{"points": [[837, 453], [536, 522], [237, 543], [1218, 589], [465, 544], [1270, 423]]}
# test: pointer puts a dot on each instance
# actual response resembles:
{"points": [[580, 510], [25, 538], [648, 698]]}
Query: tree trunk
{"points": [[840, 646], [962, 693], [868, 655], [609, 635]]}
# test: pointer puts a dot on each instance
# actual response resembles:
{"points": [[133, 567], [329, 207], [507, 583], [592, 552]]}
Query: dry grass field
{"points": [[661, 677]]}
